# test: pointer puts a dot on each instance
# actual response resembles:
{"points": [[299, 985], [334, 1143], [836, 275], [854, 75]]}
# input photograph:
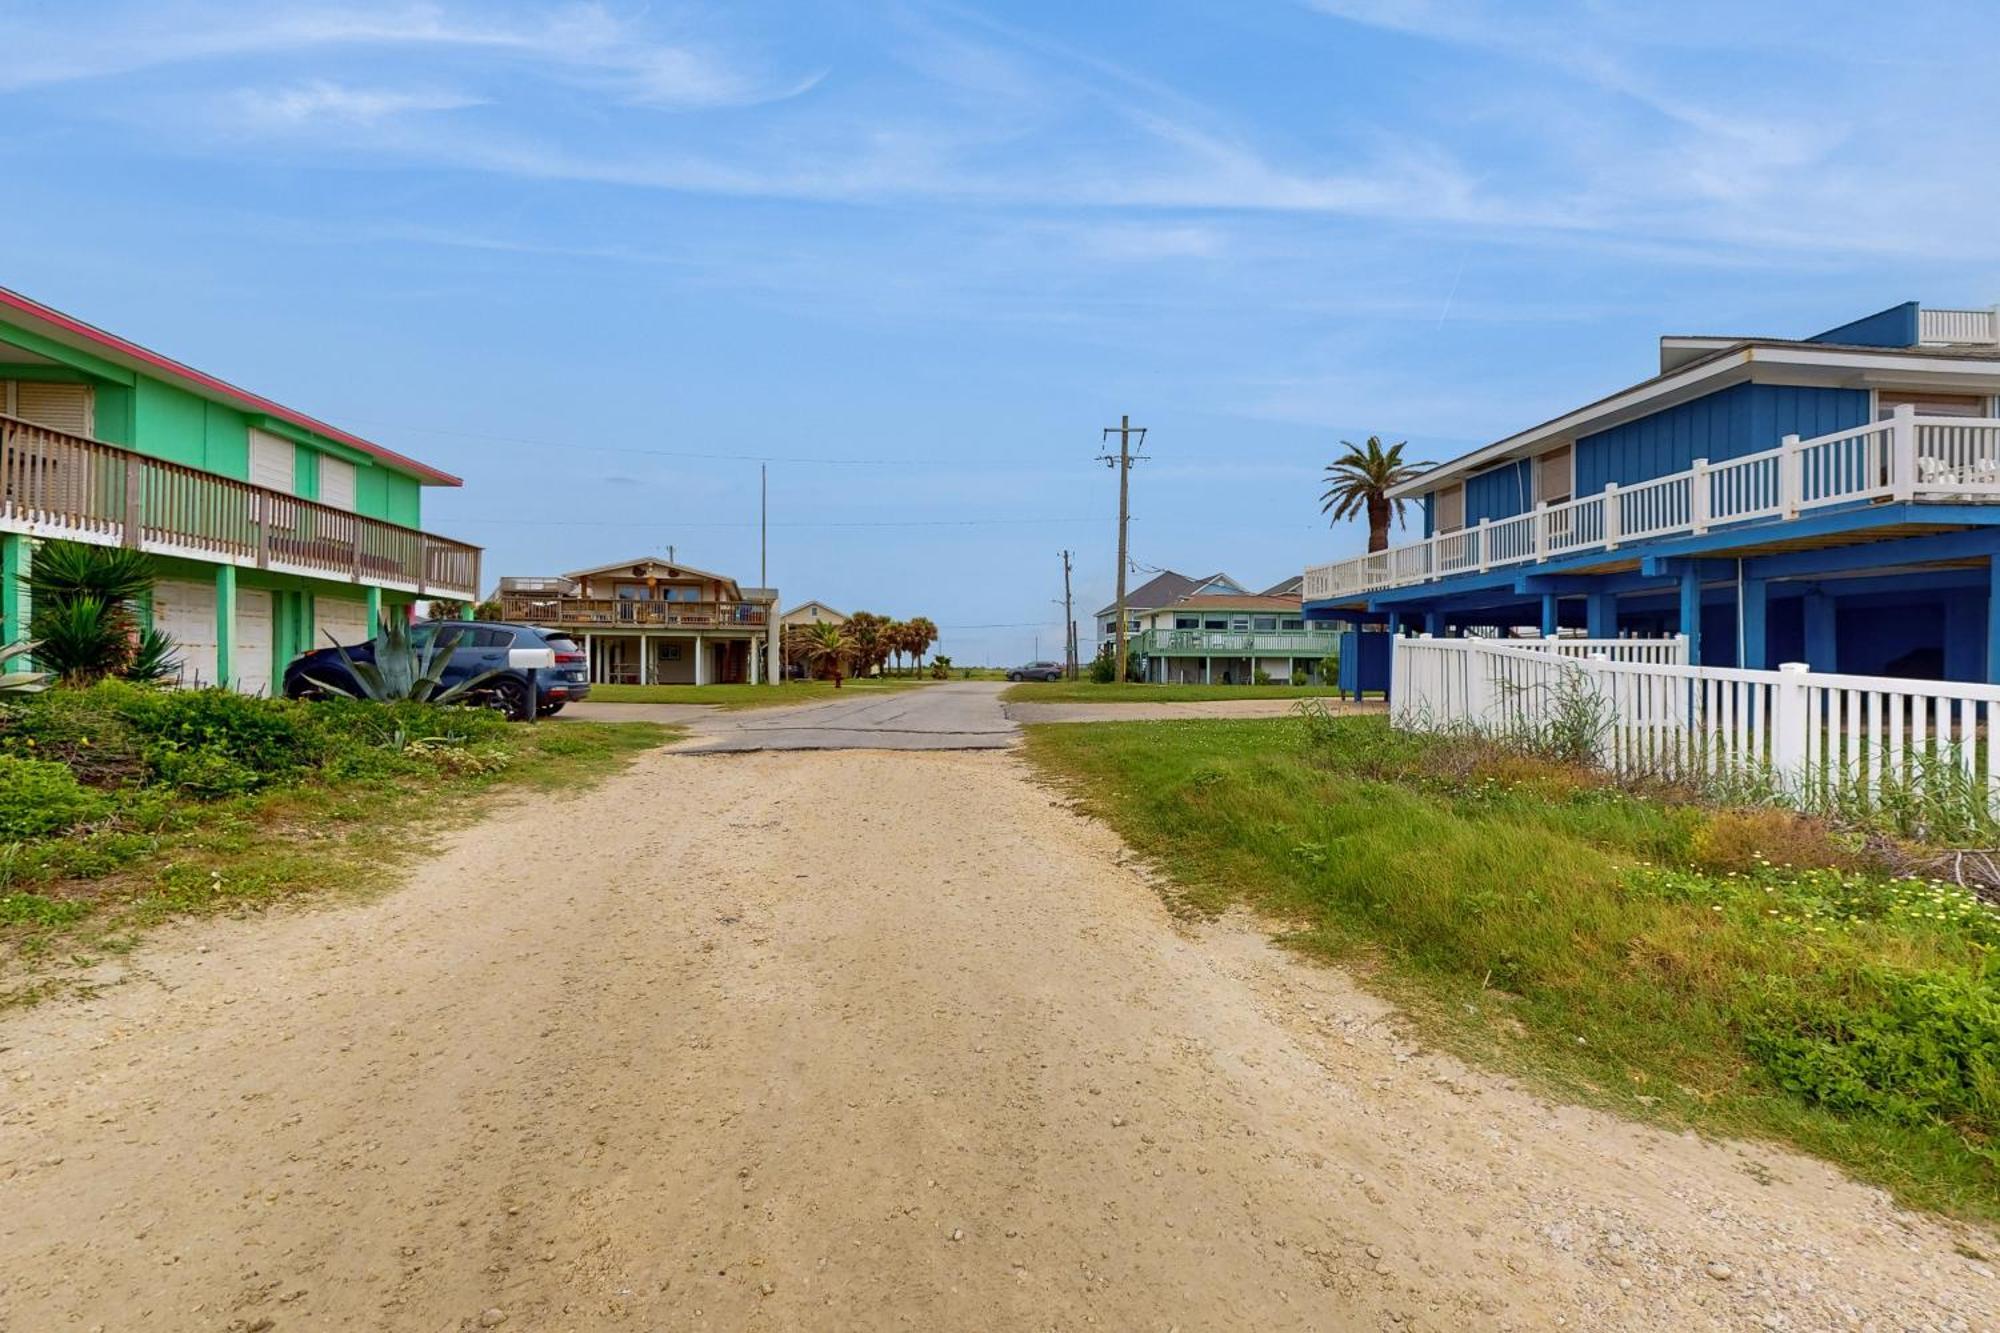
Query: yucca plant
{"points": [[20, 682], [153, 659], [404, 669], [83, 597], [82, 639]]}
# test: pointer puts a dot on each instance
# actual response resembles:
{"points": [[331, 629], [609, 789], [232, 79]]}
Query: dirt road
{"points": [[852, 1041]]}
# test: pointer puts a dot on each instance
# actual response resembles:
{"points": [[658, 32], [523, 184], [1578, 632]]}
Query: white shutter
{"points": [[184, 611], [65, 407], [271, 461], [1555, 476], [1450, 516], [336, 483], [250, 655]]}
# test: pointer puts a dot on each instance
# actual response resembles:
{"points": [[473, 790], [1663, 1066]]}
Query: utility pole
{"points": [[1123, 461], [1069, 624], [763, 524]]}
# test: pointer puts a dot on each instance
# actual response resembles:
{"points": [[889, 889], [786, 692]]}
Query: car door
{"points": [[481, 648]]}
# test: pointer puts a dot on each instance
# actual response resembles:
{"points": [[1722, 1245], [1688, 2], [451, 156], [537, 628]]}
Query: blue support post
{"points": [[1601, 615], [1756, 639], [1691, 613], [1821, 652], [1549, 621], [1434, 624], [1395, 622], [1993, 622]]}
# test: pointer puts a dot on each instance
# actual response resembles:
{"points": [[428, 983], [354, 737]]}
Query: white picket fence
{"points": [[1805, 733], [1668, 651]]}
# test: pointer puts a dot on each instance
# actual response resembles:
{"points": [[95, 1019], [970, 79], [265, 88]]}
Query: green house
{"points": [[267, 528]]}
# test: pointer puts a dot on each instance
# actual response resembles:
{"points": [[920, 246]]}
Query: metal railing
{"points": [[57, 485], [1907, 457], [1234, 643], [632, 612]]}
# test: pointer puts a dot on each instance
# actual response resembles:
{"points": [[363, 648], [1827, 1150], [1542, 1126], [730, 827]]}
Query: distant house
{"points": [[808, 614], [1214, 631], [652, 621]]}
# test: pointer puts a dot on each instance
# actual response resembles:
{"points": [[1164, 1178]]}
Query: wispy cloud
{"points": [[322, 99]]}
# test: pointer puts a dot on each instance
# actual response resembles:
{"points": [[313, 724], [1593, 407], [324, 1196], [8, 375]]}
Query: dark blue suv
{"points": [[521, 691]]}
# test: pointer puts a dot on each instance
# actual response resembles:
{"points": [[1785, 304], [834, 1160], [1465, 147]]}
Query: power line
{"points": [[829, 523]]}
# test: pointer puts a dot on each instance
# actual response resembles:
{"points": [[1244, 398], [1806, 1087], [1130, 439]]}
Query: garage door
{"points": [[184, 611], [345, 619], [250, 655]]}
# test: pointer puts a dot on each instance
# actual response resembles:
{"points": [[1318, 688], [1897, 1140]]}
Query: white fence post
{"points": [[1484, 539], [1791, 476], [1698, 496], [1789, 721], [1903, 452], [1542, 530], [1612, 520]]}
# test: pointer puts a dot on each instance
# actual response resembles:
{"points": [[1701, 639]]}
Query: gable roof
{"points": [[667, 569], [71, 332], [808, 605], [1291, 587], [1163, 589]]}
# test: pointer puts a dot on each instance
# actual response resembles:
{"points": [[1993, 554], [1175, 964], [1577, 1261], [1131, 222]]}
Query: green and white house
{"points": [[1214, 631], [265, 526]]}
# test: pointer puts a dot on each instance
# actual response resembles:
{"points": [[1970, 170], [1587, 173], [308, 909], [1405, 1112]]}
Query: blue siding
{"points": [[1727, 424], [1500, 493], [1894, 327]]}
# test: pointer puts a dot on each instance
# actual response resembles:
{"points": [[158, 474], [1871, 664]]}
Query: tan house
{"points": [[808, 614], [652, 621]]}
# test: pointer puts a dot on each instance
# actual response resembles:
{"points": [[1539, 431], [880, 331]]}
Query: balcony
{"points": [[1933, 460], [1234, 643], [57, 485], [613, 613]]}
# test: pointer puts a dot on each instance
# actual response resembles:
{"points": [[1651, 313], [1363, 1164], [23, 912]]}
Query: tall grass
{"points": [[1531, 911]]}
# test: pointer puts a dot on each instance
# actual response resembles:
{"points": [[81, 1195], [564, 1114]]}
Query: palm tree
{"points": [[827, 647], [1359, 481], [923, 633]]}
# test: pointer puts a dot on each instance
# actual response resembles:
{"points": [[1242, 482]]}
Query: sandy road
{"points": [[851, 1041]]}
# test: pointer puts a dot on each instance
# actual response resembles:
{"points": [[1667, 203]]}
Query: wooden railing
{"points": [[630, 612], [53, 484], [1941, 460]]}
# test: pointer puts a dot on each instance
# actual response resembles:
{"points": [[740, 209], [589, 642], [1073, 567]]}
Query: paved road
{"points": [[961, 715]]}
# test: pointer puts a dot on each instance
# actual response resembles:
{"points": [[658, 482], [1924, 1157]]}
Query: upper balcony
{"points": [[1907, 457], [553, 607], [1308, 642], [57, 485]]}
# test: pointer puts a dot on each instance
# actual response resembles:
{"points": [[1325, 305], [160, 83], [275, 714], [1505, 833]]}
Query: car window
{"points": [[486, 637], [560, 643]]}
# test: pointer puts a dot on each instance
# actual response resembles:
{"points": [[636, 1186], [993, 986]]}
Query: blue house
{"points": [[1833, 500]]}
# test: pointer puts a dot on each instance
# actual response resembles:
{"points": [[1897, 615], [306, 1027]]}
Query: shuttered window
{"points": [[1555, 476], [336, 482], [1931, 404], [65, 407], [271, 462], [1451, 509]]}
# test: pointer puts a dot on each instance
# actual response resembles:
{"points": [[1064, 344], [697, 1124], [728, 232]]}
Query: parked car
{"points": [[521, 691], [1037, 671]]}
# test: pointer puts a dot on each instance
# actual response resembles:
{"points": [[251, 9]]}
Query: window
{"points": [[1451, 509], [336, 482], [670, 652], [70, 408], [1215, 622], [1133, 626], [1930, 404], [1292, 622], [490, 638], [1240, 624], [1187, 622], [272, 462], [1555, 476], [631, 592], [1265, 624]]}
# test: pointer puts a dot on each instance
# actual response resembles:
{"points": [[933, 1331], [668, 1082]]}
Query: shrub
{"points": [[79, 729], [39, 798], [1739, 839], [1300, 676], [217, 742], [1924, 1047], [1260, 677], [1103, 669]]}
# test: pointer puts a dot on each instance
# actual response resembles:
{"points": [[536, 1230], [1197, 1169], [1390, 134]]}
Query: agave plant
{"points": [[20, 682], [404, 668]]}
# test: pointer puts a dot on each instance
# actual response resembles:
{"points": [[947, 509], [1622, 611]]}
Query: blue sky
{"points": [[600, 258]]}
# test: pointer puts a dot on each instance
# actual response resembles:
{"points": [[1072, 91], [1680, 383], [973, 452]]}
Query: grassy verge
{"points": [[121, 808], [1090, 692], [1741, 972], [732, 697]]}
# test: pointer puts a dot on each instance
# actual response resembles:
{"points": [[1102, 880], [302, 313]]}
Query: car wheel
{"points": [[511, 698], [1013, 675]]}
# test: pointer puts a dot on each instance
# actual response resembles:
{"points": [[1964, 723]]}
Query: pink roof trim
{"points": [[111, 342]]}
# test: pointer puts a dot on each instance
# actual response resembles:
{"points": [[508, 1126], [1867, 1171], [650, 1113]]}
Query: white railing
{"points": [[1908, 457], [1803, 733], [1672, 650], [1958, 326]]}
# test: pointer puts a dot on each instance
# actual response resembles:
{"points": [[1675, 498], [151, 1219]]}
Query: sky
{"points": [[604, 259]]}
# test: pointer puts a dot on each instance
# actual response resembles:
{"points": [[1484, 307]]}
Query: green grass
{"points": [[1531, 917], [1087, 691], [286, 802], [733, 697]]}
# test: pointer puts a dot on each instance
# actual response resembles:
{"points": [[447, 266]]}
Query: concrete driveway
{"points": [[959, 715]]}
